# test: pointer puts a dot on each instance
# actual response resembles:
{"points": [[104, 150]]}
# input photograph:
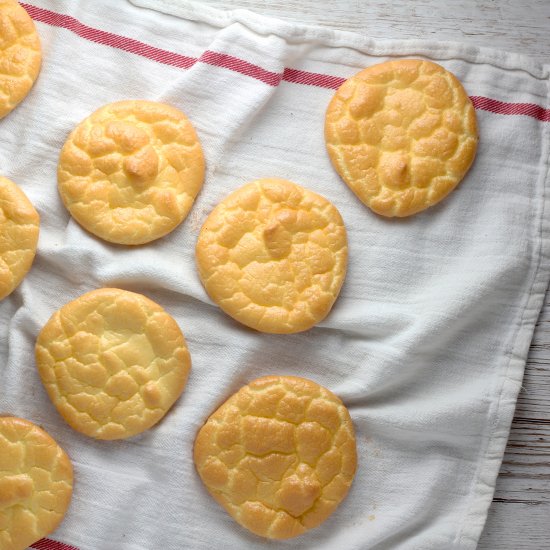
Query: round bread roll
{"points": [[402, 135], [279, 455], [273, 256], [130, 172], [19, 226], [20, 55], [36, 483], [113, 363]]}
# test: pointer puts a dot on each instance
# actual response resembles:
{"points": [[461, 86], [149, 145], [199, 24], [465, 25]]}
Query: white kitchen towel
{"points": [[426, 344]]}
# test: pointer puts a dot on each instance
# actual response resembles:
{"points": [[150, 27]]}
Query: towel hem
{"points": [[432, 49]]}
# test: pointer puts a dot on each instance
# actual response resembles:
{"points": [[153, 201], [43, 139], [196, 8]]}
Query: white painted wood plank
{"points": [[516, 527], [519, 518], [515, 25]]}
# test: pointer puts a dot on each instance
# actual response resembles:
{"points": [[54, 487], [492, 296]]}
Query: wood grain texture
{"points": [[519, 518], [514, 25]]}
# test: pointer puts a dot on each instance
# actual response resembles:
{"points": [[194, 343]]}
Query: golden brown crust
{"points": [[36, 483], [20, 55], [402, 135], [279, 455], [19, 227], [113, 363], [273, 256], [129, 173]]}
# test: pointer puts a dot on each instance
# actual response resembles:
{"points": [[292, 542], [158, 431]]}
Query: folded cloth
{"points": [[426, 344]]}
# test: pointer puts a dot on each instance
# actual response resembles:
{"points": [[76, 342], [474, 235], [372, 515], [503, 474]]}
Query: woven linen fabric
{"points": [[427, 342]]}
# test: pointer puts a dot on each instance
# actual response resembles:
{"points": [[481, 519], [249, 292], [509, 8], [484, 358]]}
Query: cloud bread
{"points": [[279, 455], [36, 483], [20, 55], [113, 363], [273, 256], [130, 172], [19, 226], [402, 135]]}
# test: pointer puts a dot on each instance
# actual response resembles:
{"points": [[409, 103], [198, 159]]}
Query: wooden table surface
{"points": [[519, 517]]}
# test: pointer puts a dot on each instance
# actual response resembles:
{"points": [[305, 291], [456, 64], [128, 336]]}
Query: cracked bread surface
{"points": [[273, 255], [19, 228], [279, 455], [36, 483], [130, 172], [113, 363], [402, 135], [20, 55]]}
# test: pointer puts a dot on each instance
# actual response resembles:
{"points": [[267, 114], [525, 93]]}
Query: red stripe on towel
{"points": [[241, 66], [48, 544]]}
